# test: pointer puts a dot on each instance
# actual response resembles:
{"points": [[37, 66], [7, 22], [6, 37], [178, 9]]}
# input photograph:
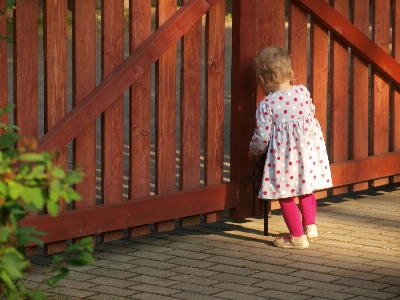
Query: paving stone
{"points": [[368, 293], [153, 264], [315, 276], [196, 288], [194, 296], [355, 274], [151, 255], [111, 248], [113, 256], [81, 285], [275, 277], [237, 296], [194, 271], [316, 267], [187, 246], [335, 286], [274, 294], [243, 271], [153, 280], [230, 261], [362, 283], [104, 263], [194, 279], [154, 289], [189, 254], [191, 262], [236, 279], [71, 292], [113, 282], [111, 273], [325, 294], [280, 286], [153, 272], [112, 291], [240, 288]]}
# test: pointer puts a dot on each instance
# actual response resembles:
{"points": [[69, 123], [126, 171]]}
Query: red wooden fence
{"points": [[132, 180]]}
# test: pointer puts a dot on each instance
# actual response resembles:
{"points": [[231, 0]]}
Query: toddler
{"points": [[291, 137]]}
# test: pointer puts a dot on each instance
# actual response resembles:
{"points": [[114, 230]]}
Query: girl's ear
{"points": [[260, 80]]}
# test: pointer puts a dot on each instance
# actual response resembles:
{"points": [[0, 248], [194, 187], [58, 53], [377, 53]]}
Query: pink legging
{"points": [[291, 213]]}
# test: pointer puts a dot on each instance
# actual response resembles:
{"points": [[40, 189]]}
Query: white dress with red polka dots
{"points": [[290, 135]]}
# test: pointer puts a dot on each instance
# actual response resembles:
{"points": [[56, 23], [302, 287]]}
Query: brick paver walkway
{"points": [[357, 256]]}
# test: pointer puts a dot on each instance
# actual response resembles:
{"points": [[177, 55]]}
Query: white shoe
{"points": [[311, 231], [292, 242]]}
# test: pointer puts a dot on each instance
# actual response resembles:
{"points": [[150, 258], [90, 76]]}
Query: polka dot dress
{"points": [[290, 135]]}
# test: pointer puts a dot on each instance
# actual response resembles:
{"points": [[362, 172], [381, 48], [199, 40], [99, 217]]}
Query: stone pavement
{"points": [[357, 256]]}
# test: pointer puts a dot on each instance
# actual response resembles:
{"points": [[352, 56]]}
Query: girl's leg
{"points": [[291, 215], [308, 206]]}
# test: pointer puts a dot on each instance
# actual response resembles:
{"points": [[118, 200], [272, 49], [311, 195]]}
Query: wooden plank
{"points": [[367, 168], [396, 90], [380, 90], [84, 81], [361, 44], [319, 76], [214, 100], [134, 212], [3, 63], [339, 96], [243, 101], [359, 92], [298, 42], [26, 68], [165, 114], [55, 81], [270, 22], [139, 114], [112, 125]]}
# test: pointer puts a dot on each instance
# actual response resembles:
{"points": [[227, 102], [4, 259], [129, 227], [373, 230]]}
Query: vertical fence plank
{"points": [[270, 24], [165, 115], [396, 90], [112, 123], [298, 42], [319, 77], [55, 81], [139, 115], [243, 102], [3, 63], [214, 101], [189, 163], [339, 96], [26, 67], [380, 89], [84, 80], [359, 92]]}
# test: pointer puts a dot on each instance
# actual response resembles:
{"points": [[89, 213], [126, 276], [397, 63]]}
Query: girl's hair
{"points": [[274, 65]]}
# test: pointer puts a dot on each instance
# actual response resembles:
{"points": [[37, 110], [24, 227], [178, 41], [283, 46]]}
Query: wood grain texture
{"points": [[3, 64], [396, 90], [359, 89], [112, 125], [84, 81]]}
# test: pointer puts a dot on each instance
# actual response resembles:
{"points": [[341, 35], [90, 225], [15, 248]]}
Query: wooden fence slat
{"points": [[319, 77], [55, 79], [380, 89], [298, 42], [165, 115], [3, 63], [190, 110], [26, 67], [339, 96], [396, 90], [112, 125], [214, 101], [84, 80], [359, 92], [139, 114], [133, 212]]}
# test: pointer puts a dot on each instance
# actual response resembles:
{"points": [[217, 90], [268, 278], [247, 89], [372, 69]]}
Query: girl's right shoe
{"points": [[311, 231], [292, 242]]}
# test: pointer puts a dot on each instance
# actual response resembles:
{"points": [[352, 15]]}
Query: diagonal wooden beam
{"points": [[352, 37], [101, 97]]}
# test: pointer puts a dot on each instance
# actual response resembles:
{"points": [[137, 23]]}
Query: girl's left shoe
{"points": [[292, 242]]}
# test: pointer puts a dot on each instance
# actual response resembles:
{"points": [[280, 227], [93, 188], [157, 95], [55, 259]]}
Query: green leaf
{"points": [[53, 281], [3, 188], [31, 157], [56, 259], [84, 244], [15, 189], [58, 173], [8, 139], [37, 170], [38, 196], [36, 295], [52, 208], [6, 38], [73, 177], [4, 234], [82, 259], [73, 195]]}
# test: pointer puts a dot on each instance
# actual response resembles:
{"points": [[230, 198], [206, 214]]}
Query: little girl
{"points": [[291, 137]]}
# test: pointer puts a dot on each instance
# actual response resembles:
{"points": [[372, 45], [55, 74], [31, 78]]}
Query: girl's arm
{"points": [[262, 133]]}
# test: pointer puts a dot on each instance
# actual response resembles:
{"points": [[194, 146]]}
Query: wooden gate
{"points": [[129, 147]]}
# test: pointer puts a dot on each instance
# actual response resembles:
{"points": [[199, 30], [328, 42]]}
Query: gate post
{"points": [[254, 26]]}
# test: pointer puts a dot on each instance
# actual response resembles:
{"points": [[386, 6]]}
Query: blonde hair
{"points": [[274, 65]]}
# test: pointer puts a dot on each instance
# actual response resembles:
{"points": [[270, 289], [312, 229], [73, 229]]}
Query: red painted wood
{"points": [[134, 212], [139, 120], [348, 33], [165, 115], [3, 63], [123, 76], [319, 75], [112, 125], [55, 81], [359, 90], [380, 90], [243, 86], [190, 83], [298, 42], [214, 100], [339, 96], [84, 81], [26, 68], [396, 90]]}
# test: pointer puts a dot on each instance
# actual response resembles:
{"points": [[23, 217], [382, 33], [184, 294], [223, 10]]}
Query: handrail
{"points": [[327, 16], [101, 97]]}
